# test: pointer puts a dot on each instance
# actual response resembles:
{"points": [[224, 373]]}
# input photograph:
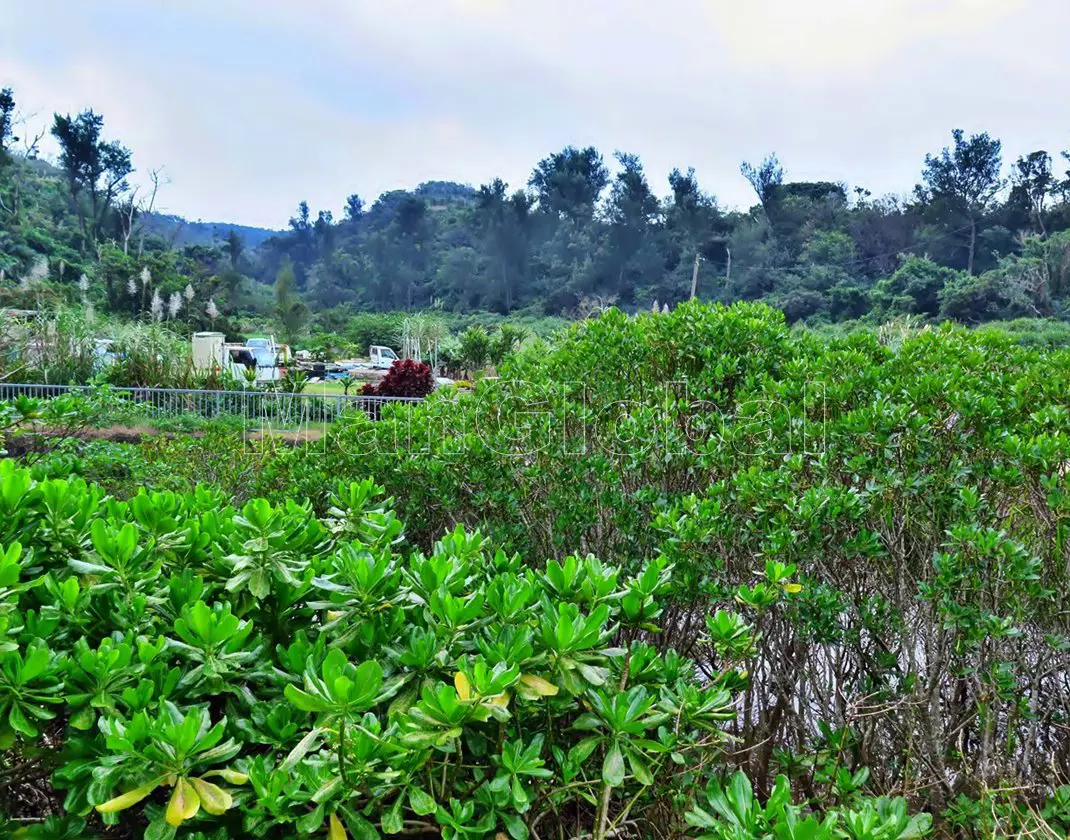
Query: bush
{"points": [[919, 485], [368, 328], [475, 348], [883, 516], [406, 378], [914, 289], [175, 663], [1033, 332], [974, 299], [798, 304]]}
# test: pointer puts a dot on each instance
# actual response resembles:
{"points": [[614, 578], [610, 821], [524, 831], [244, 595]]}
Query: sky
{"points": [[250, 106]]}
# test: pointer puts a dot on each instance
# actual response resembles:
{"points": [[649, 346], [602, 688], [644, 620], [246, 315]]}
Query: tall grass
{"points": [[59, 347], [151, 355]]}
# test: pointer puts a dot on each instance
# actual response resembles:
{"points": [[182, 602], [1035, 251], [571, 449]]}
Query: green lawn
{"points": [[330, 388], [333, 387]]}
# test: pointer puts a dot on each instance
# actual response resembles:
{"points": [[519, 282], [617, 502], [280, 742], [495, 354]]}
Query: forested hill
{"points": [[178, 232], [981, 235]]}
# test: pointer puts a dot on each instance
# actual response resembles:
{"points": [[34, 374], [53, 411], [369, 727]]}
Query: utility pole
{"points": [[728, 267], [694, 276]]}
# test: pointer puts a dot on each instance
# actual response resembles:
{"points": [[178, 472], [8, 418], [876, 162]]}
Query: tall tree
{"points": [[289, 307], [632, 210], [231, 279], [502, 220], [764, 178], [354, 209], [964, 179], [567, 186], [691, 217], [323, 230], [7, 137], [234, 245], [1032, 176], [569, 183], [632, 204], [96, 170], [300, 223], [303, 251], [413, 233], [7, 122]]}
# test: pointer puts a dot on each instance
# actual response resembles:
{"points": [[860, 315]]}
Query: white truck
{"points": [[269, 357], [211, 352], [381, 358]]}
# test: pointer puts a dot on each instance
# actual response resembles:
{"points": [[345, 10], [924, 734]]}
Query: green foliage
{"points": [[508, 338], [858, 541], [1030, 285], [475, 349], [730, 812], [368, 328], [203, 670], [904, 490], [914, 289], [844, 530], [576, 237], [289, 308]]}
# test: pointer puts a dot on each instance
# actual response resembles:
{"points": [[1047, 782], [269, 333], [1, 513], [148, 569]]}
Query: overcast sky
{"points": [[252, 105]]}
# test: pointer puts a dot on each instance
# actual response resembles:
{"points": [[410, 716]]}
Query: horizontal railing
{"points": [[267, 408]]}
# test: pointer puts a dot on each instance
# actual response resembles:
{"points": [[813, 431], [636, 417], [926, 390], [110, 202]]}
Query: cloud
{"points": [[837, 36], [253, 106]]}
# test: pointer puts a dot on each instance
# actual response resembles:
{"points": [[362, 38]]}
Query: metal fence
{"points": [[261, 409]]}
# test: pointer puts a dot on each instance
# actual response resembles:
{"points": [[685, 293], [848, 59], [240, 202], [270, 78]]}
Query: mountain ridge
{"points": [[181, 232]]}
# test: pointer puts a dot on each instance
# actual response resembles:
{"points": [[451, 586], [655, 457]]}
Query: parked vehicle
{"points": [[381, 358], [104, 354], [269, 358], [210, 351]]}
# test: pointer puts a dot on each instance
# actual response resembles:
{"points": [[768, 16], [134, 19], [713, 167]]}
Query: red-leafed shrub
{"points": [[405, 378]]}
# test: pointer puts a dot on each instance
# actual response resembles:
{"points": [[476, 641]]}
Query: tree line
{"points": [[973, 239]]}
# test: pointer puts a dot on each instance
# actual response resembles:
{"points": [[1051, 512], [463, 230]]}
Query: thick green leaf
{"points": [[421, 802], [613, 767], [301, 750], [392, 820], [305, 701]]}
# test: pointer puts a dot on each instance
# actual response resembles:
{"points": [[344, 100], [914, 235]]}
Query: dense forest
{"points": [[979, 237]]}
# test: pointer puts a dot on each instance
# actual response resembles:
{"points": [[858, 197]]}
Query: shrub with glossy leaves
{"points": [[180, 668]]}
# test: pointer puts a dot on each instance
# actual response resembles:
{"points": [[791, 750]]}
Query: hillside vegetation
{"points": [[977, 238]]}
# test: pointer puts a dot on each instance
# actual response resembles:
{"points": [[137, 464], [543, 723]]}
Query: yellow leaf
{"points": [[464, 688], [539, 685], [234, 777], [334, 615], [499, 699], [793, 587], [184, 804], [337, 830], [214, 799], [131, 797]]}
